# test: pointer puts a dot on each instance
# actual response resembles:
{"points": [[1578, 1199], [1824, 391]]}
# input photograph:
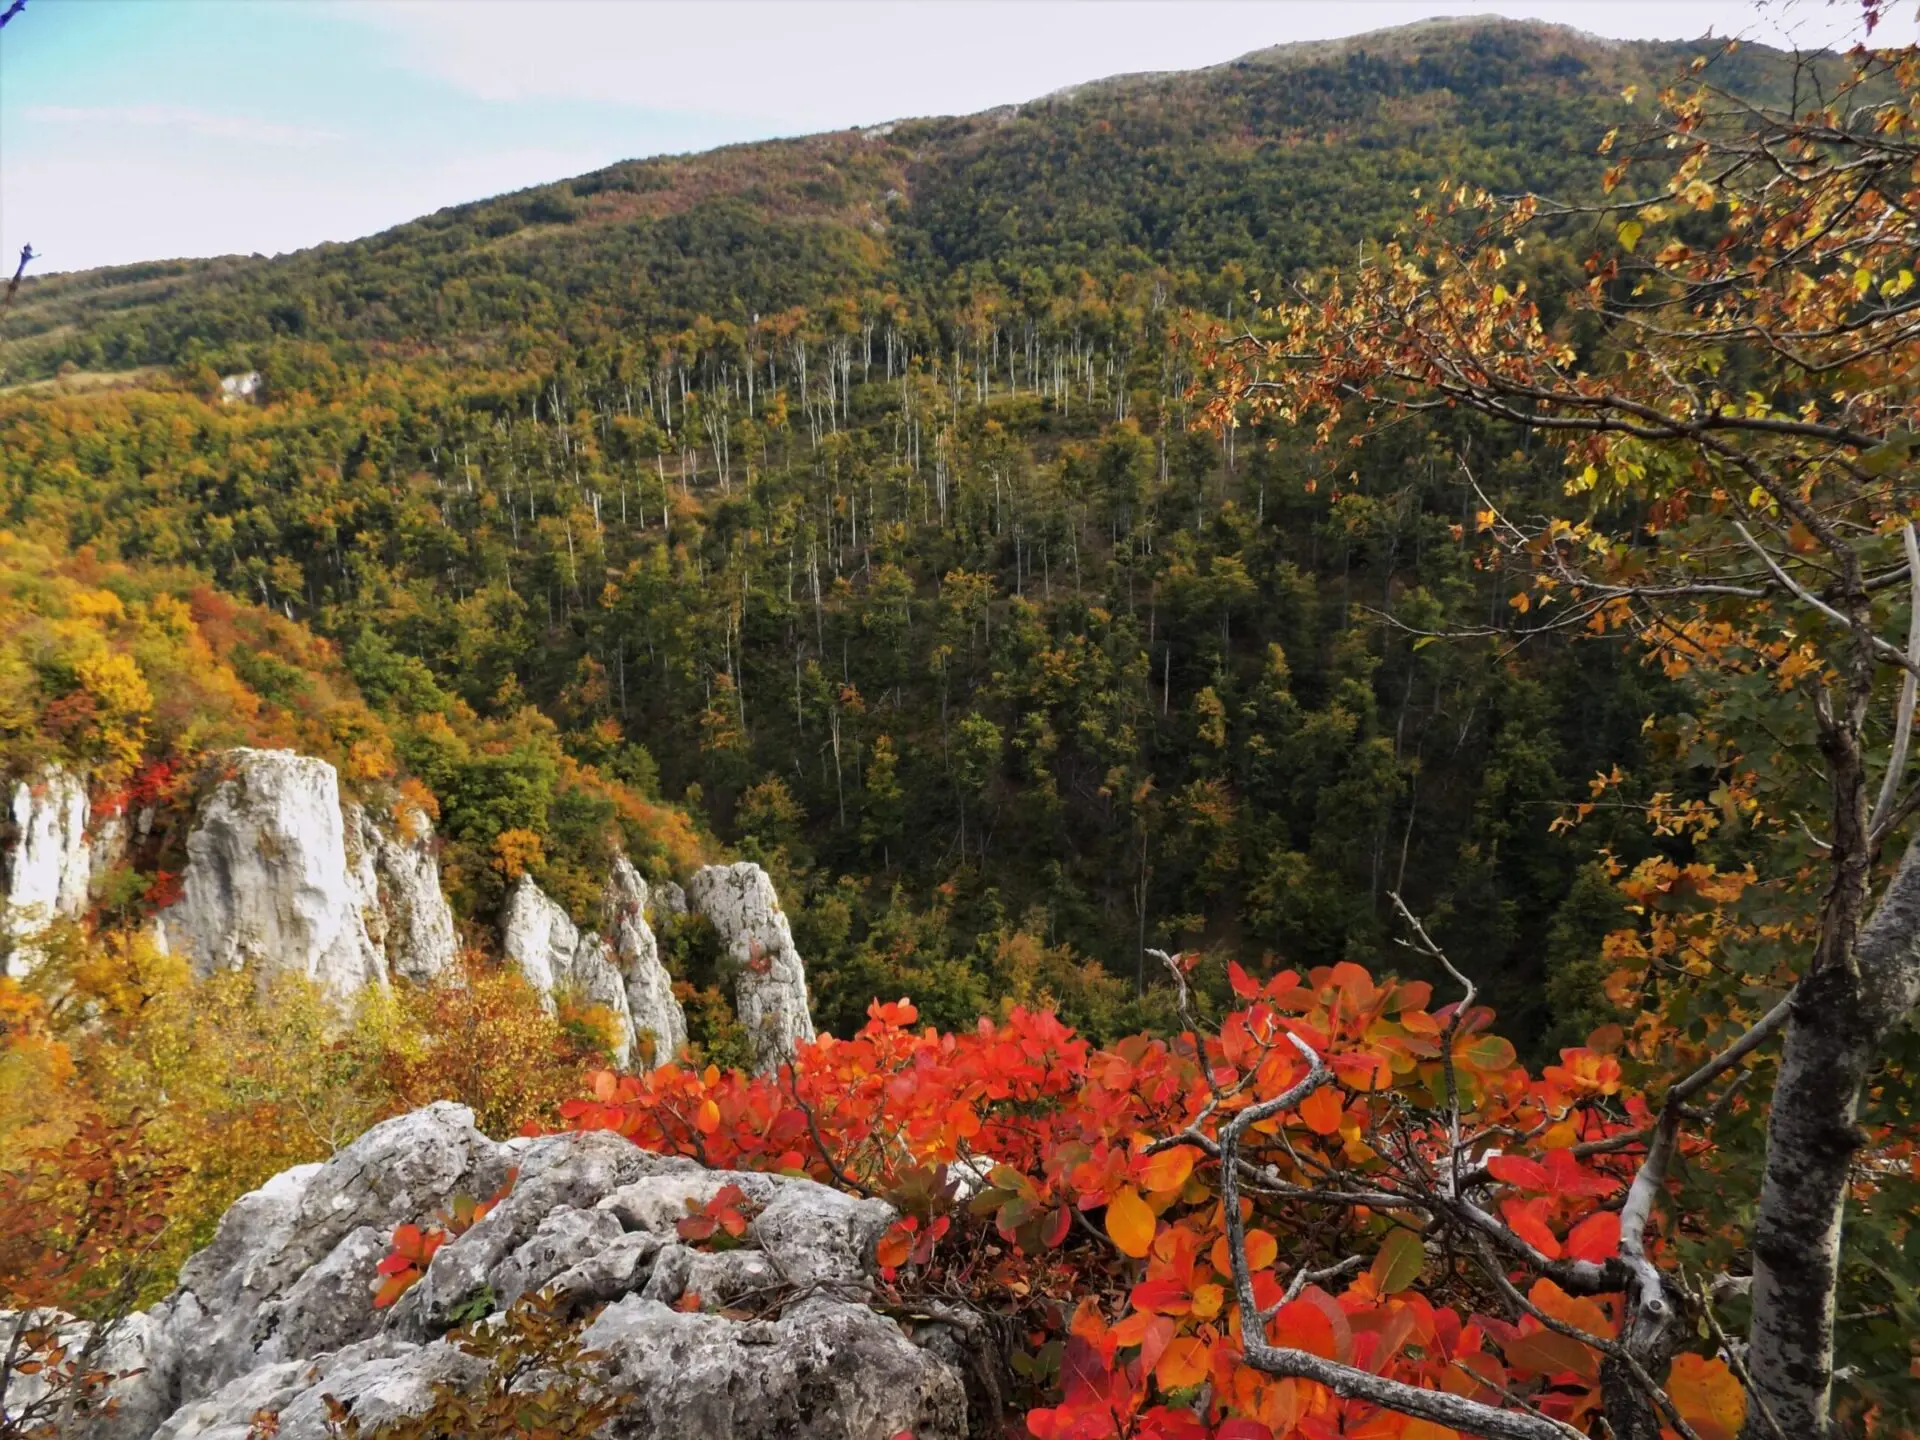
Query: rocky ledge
{"points": [[277, 1314]]}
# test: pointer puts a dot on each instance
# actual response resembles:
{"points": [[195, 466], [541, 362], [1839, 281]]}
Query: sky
{"points": [[149, 129]]}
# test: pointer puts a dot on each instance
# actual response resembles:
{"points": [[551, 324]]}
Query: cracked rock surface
{"points": [[277, 1313]]}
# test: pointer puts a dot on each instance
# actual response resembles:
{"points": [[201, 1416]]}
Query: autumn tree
{"points": [[1737, 393]]}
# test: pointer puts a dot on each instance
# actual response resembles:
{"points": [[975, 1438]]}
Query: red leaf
{"points": [[1518, 1170], [1084, 1374], [1595, 1238]]}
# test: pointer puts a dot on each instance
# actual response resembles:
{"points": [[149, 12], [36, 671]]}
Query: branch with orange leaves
{"points": [[1439, 1407]]}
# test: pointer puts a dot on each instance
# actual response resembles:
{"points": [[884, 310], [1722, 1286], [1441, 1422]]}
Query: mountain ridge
{"points": [[839, 203]]}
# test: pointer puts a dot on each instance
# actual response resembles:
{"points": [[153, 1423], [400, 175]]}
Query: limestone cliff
{"points": [[50, 862], [650, 1000], [267, 880], [398, 879], [283, 875], [541, 940], [770, 993]]}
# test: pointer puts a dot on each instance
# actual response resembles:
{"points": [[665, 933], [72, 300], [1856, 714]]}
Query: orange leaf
{"points": [[1517, 1170], [1183, 1363], [707, 1118], [1529, 1223], [1548, 1352], [894, 1246], [1262, 1249], [1707, 1396], [1130, 1224], [1575, 1310], [1322, 1110], [1169, 1169], [1301, 1325]]}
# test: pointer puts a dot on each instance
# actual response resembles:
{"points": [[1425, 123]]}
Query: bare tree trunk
{"points": [[1842, 1014]]}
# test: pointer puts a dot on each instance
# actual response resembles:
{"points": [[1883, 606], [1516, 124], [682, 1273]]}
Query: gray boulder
{"points": [[277, 1314]]}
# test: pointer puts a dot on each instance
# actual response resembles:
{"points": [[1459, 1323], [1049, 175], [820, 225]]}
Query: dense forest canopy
{"points": [[853, 478]]}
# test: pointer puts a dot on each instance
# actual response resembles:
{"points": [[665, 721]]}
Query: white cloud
{"points": [[204, 123], [842, 62]]}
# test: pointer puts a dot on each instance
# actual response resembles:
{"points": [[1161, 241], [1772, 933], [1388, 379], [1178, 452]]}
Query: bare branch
{"points": [[1880, 647], [1456, 1412], [1909, 688]]}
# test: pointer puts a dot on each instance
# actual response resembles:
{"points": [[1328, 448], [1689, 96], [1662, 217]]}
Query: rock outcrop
{"points": [[267, 880], [398, 878], [541, 940], [283, 875], [50, 863], [655, 1013], [770, 994], [277, 1313], [619, 971]]}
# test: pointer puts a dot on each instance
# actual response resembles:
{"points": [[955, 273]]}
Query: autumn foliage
{"points": [[1093, 1209]]}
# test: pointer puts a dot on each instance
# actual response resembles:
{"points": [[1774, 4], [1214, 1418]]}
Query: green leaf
{"points": [[1399, 1263], [1890, 453]]}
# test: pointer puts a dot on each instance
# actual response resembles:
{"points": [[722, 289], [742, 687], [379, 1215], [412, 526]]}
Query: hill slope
{"points": [[849, 480], [1281, 160]]}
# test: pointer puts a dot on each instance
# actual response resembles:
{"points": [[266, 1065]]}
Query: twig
{"points": [[1909, 691], [1434, 952], [1735, 1361], [1648, 1180], [1437, 1406], [1881, 648], [26, 251], [813, 1129]]}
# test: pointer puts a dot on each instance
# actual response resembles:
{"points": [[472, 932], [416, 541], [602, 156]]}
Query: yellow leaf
{"points": [[1707, 1396], [1629, 234], [1130, 1223], [1862, 280], [1207, 1301]]}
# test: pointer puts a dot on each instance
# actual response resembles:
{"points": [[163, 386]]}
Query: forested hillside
{"points": [[850, 484], [1005, 698]]}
